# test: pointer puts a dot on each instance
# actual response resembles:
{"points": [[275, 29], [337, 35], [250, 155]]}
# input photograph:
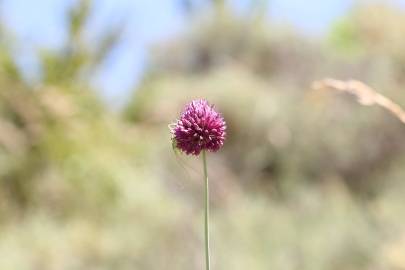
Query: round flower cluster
{"points": [[199, 128]]}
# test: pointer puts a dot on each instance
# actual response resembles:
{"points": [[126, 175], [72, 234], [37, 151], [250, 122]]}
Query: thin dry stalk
{"points": [[364, 93]]}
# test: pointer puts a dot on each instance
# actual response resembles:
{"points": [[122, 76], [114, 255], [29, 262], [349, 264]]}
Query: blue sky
{"points": [[40, 23]]}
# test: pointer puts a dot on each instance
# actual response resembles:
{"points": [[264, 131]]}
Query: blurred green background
{"points": [[306, 180]]}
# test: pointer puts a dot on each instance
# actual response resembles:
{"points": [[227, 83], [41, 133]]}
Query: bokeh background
{"points": [[306, 180]]}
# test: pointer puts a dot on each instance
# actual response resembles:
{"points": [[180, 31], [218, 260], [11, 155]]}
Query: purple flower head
{"points": [[199, 128]]}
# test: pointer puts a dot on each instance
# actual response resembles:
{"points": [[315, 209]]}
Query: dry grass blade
{"points": [[364, 93]]}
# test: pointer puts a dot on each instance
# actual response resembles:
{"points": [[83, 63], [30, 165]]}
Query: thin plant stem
{"points": [[206, 215]]}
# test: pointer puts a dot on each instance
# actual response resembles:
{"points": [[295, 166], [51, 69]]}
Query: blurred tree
{"points": [[44, 128], [376, 32], [78, 59]]}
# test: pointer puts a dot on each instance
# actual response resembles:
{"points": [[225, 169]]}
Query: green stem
{"points": [[207, 215]]}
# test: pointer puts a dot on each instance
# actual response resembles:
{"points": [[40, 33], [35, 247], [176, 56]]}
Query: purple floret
{"points": [[199, 128]]}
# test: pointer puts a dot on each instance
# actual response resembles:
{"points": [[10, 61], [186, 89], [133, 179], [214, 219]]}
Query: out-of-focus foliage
{"points": [[306, 180], [79, 58], [48, 131], [362, 29], [280, 120]]}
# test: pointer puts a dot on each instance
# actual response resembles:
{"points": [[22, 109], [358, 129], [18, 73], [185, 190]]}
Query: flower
{"points": [[199, 128]]}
